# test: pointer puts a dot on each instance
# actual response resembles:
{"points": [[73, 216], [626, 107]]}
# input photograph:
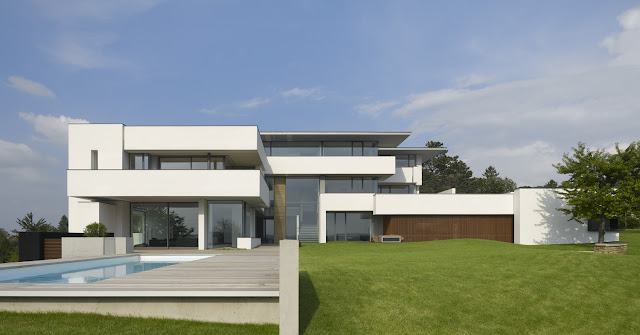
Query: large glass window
{"points": [[225, 223], [337, 149], [350, 226], [164, 224], [328, 148], [302, 208], [351, 185], [397, 189], [296, 149], [192, 163]]}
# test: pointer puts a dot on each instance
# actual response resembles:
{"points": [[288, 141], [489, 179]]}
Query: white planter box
{"points": [[248, 242], [74, 247]]}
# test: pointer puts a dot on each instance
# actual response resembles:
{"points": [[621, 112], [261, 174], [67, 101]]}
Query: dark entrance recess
{"points": [[443, 227]]}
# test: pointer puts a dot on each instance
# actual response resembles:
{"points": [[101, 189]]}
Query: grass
{"points": [[468, 286], [440, 287], [72, 324]]}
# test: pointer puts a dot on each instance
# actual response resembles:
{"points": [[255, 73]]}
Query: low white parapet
{"points": [[443, 204], [248, 242], [74, 247]]}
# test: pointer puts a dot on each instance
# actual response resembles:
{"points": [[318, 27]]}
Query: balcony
{"points": [[169, 185], [381, 166]]}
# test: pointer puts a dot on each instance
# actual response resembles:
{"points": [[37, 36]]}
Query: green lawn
{"points": [[453, 286], [468, 286]]}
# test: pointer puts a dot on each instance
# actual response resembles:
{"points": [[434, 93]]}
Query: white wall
{"points": [[331, 165], [116, 217], [341, 202], [245, 184], [443, 204], [537, 220], [107, 139], [403, 175], [164, 138]]}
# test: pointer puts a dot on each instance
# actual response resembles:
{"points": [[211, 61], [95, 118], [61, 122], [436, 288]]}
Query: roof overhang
{"points": [[384, 139], [425, 153]]}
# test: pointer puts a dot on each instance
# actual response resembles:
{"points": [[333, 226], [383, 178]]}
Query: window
{"points": [[327, 148], [405, 161], [351, 226], [397, 189], [94, 159], [192, 163], [139, 161], [351, 185]]}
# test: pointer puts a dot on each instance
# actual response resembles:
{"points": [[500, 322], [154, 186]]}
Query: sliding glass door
{"points": [[164, 225]]}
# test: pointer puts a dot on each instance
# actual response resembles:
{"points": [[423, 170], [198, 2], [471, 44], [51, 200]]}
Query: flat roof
{"points": [[384, 139]]}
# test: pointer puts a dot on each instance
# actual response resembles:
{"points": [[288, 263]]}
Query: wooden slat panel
{"points": [[52, 248], [279, 208], [441, 227]]}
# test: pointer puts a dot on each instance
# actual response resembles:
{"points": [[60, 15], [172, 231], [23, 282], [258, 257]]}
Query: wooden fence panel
{"points": [[417, 228], [52, 248]]}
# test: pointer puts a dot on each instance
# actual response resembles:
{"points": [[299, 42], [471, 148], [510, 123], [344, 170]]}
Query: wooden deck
{"points": [[228, 273]]}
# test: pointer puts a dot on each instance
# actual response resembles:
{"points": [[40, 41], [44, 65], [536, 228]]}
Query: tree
{"points": [[8, 247], [591, 192], [551, 184], [63, 225], [28, 225], [493, 183], [95, 229], [444, 172]]}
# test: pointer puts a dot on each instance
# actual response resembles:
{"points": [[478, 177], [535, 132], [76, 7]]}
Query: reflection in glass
{"points": [[370, 149], [302, 208], [175, 163], [337, 149], [351, 185], [351, 226], [183, 223], [225, 223], [199, 163], [296, 149]]}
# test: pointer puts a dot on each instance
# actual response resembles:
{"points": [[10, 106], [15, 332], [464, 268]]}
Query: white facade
{"points": [[206, 186]]}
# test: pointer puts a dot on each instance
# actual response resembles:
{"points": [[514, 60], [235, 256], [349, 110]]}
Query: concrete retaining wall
{"points": [[75, 247]]}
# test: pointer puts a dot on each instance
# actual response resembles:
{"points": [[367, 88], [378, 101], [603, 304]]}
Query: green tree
{"points": [[8, 247], [28, 225], [443, 172], [591, 192], [493, 183], [628, 179], [551, 184], [63, 225]]}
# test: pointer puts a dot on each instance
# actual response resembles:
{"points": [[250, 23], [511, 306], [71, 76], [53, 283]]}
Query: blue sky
{"points": [[507, 83]]}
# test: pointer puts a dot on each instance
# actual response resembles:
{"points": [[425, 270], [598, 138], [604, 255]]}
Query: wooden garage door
{"points": [[442, 227]]}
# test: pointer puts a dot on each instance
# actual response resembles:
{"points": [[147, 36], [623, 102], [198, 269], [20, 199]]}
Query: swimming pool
{"points": [[88, 271]]}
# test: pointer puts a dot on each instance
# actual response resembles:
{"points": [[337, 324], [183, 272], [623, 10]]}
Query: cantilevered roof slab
{"points": [[384, 139]]}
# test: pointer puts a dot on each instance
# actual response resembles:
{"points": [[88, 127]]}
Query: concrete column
{"points": [[279, 208], [289, 287], [202, 225]]}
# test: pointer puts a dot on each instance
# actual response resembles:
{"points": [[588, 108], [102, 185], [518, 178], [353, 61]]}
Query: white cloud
{"points": [[374, 109], [253, 103], [80, 10], [208, 110], [86, 51], [54, 129], [625, 45], [474, 79], [30, 86], [430, 99], [21, 162], [302, 93]]}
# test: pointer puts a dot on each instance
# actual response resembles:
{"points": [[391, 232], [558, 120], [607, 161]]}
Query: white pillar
{"points": [[203, 232], [289, 287]]}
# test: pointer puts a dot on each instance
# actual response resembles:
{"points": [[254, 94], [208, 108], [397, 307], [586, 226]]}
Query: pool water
{"points": [[90, 275]]}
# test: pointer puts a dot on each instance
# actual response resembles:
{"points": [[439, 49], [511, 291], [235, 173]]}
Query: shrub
{"points": [[95, 229]]}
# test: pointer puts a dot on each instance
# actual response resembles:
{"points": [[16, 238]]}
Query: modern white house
{"points": [[205, 186]]}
